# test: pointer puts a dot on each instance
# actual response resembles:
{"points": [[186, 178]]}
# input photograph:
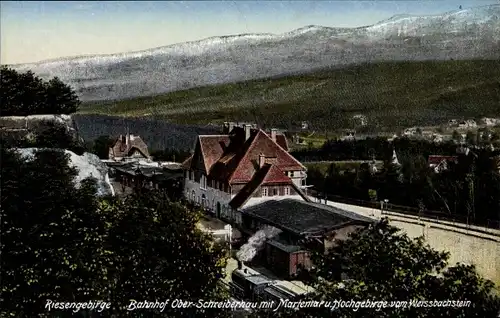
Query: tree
{"points": [[51, 235], [24, 94], [400, 268], [101, 146], [61, 242], [161, 253], [57, 135]]}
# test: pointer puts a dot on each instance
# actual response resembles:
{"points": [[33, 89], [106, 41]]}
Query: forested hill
{"points": [[157, 134]]}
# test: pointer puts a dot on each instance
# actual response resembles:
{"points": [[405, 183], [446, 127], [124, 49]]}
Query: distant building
{"points": [[440, 163], [305, 125], [360, 120], [467, 124], [410, 131], [349, 135], [490, 121], [127, 147], [452, 123]]}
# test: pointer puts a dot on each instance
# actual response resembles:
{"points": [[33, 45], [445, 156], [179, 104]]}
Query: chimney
{"points": [[127, 141], [273, 134], [247, 131], [262, 160], [240, 264], [124, 140]]}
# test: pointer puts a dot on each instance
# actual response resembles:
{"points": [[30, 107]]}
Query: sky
{"points": [[33, 31]]}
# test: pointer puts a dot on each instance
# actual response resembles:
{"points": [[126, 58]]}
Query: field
{"points": [[397, 94]]}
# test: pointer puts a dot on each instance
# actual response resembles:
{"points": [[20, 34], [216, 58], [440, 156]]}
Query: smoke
{"points": [[255, 243]]}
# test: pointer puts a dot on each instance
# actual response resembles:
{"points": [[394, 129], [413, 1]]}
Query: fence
{"points": [[430, 214]]}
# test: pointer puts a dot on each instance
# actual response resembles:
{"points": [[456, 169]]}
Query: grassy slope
{"points": [[389, 94]]}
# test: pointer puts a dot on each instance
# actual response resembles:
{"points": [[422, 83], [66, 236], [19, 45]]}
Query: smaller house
{"points": [[467, 124], [441, 163], [349, 135], [360, 119], [305, 226], [129, 147]]}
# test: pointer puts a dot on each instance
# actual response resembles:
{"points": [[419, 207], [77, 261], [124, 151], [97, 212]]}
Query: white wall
{"points": [[465, 243], [212, 195]]}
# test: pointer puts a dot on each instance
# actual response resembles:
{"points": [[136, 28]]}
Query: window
{"points": [[203, 182], [292, 174], [287, 191], [203, 201], [303, 182], [264, 192], [275, 191]]}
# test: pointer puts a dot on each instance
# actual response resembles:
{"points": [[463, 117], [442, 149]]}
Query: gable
{"points": [[197, 161]]}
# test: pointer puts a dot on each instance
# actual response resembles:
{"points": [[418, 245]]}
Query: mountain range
{"points": [[464, 34]]}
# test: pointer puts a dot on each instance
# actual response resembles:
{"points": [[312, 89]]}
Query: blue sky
{"points": [[39, 30]]}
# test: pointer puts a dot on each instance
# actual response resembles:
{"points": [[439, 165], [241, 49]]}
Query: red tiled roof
{"points": [[436, 159], [120, 148], [212, 148], [275, 175], [232, 158], [262, 144], [268, 174], [281, 140]]}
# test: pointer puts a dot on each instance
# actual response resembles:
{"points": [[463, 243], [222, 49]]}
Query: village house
{"points": [[305, 227], [241, 167], [440, 163], [467, 124], [129, 147]]}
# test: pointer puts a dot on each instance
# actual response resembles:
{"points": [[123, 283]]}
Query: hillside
{"points": [[396, 93], [468, 34]]}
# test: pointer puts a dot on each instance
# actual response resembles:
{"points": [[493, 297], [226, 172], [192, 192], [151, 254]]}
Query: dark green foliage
{"points": [[63, 243], [380, 263], [397, 94], [100, 146], [170, 155], [24, 94], [51, 235], [468, 191], [163, 255], [399, 268]]}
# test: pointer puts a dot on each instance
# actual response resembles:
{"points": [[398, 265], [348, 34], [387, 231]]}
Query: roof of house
{"points": [[234, 159], [121, 149], [303, 218], [284, 247], [437, 159], [267, 175]]}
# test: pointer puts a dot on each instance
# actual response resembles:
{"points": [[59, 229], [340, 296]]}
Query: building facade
{"points": [[129, 147], [241, 167]]}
